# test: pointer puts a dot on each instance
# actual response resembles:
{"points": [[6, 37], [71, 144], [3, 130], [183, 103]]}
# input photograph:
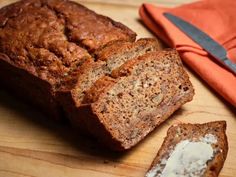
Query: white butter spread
{"points": [[188, 159]]}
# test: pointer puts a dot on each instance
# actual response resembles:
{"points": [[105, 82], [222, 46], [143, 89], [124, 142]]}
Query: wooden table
{"points": [[30, 146]]}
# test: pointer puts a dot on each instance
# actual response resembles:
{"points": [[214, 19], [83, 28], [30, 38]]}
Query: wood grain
{"points": [[33, 146]]}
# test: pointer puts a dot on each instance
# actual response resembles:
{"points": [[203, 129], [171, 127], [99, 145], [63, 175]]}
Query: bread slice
{"points": [[119, 52], [107, 59], [44, 42], [191, 150], [143, 93]]}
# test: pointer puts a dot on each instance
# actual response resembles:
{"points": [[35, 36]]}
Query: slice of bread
{"points": [[197, 150], [119, 52], [144, 92], [109, 58]]}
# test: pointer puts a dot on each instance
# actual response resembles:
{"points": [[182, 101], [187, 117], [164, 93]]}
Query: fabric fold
{"points": [[217, 19]]}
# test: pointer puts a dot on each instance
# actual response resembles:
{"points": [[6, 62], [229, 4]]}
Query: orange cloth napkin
{"points": [[215, 17]]}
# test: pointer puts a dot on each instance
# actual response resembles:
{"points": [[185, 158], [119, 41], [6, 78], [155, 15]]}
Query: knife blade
{"points": [[204, 40]]}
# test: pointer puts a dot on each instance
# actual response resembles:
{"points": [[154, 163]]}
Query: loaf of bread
{"points": [[43, 43], [191, 150], [73, 63], [139, 95]]}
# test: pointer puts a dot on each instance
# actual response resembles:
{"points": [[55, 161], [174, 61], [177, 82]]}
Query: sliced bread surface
{"points": [[197, 150], [109, 58], [144, 93]]}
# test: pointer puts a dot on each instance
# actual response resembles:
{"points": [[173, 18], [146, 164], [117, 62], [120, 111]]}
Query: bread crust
{"points": [[29, 88], [93, 94], [122, 46]]}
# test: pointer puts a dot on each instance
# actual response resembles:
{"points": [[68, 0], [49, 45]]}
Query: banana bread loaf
{"points": [[191, 150], [60, 55], [43, 43]]}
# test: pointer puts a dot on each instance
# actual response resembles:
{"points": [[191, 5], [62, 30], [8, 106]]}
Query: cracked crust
{"points": [[90, 30], [47, 41]]}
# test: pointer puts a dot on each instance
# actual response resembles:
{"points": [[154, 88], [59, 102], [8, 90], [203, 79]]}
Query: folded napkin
{"points": [[215, 17]]}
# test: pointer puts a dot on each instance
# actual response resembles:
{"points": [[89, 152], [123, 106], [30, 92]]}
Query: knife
{"points": [[205, 41]]}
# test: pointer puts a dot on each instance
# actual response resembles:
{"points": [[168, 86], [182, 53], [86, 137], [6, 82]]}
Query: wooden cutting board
{"points": [[33, 146]]}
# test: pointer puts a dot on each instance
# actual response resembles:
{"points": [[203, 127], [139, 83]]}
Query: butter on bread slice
{"points": [[197, 150]]}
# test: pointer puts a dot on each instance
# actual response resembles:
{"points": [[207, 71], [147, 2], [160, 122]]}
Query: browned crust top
{"points": [[52, 38]]}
